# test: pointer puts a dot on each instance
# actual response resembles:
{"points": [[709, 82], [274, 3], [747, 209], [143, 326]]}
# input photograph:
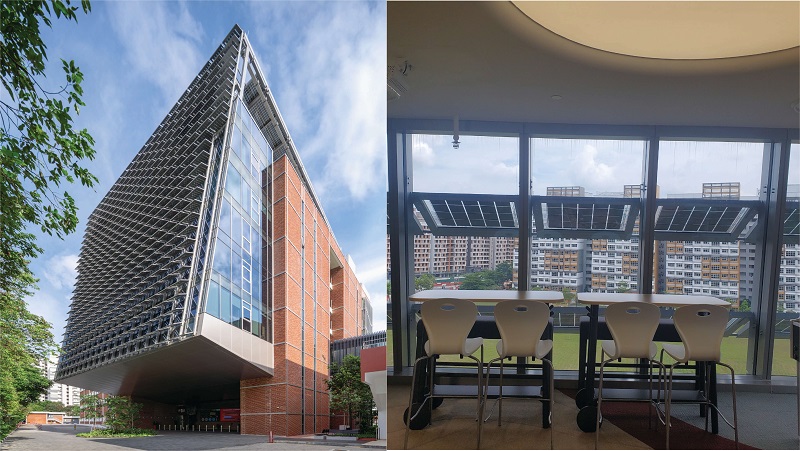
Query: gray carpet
{"points": [[766, 420]]}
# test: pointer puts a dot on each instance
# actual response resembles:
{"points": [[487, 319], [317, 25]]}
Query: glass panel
{"points": [[225, 305], [212, 303], [571, 263], [236, 140], [245, 154], [236, 311], [719, 172], [222, 258], [236, 269], [225, 217], [480, 165], [233, 183], [789, 276]]}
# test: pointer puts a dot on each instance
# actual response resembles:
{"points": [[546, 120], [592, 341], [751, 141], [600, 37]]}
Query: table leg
{"points": [[713, 397], [546, 382]]}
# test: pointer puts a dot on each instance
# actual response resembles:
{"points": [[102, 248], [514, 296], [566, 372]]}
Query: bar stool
{"points": [[701, 328], [632, 326], [521, 324], [447, 323]]}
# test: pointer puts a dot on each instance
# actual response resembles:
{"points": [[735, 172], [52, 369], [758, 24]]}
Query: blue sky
{"points": [[325, 64]]}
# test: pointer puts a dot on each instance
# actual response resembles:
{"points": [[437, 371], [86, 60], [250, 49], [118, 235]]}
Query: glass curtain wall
{"points": [[585, 233], [589, 208], [234, 293], [788, 306]]}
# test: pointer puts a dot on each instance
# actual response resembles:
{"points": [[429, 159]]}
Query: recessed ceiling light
{"points": [[556, 97]]}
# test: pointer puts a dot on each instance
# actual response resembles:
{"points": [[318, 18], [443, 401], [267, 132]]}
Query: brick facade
{"points": [[317, 298]]}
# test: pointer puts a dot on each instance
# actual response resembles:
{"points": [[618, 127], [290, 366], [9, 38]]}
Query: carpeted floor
{"points": [[624, 427]]}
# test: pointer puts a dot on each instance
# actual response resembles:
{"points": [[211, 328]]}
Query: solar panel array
{"points": [[472, 213], [791, 223], [699, 218], [584, 215]]}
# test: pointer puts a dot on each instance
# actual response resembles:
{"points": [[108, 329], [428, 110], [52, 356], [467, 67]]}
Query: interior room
{"points": [[581, 154]]}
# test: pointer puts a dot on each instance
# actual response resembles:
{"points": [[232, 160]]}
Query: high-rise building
{"points": [[209, 279], [65, 394]]}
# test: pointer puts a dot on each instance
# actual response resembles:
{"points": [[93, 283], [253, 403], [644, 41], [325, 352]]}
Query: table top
{"points": [[488, 295], [661, 300]]}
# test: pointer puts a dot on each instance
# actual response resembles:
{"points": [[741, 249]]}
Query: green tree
{"points": [[483, 280], [46, 406], [92, 407], [623, 287], [25, 340], [121, 413], [349, 394], [39, 152], [424, 282], [506, 270], [569, 296], [744, 305]]}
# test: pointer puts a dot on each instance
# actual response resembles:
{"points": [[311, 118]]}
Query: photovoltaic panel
{"points": [[471, 213], [699, 218], [584, 215], [791, 222]]}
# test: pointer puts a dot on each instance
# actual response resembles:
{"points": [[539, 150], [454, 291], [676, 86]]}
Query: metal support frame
{"points": [[399, 215]]}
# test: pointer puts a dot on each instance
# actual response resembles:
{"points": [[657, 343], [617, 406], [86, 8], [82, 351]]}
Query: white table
{"points": [[594, 301], [488, 295]]}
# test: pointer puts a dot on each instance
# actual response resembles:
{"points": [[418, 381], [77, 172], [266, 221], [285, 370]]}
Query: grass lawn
{"points": [[565, 354]]}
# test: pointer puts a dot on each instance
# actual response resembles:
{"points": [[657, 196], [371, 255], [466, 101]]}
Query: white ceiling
{"points": [[489, 61]]}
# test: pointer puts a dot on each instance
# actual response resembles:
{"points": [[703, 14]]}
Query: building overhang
{"points": [[192, 369]]}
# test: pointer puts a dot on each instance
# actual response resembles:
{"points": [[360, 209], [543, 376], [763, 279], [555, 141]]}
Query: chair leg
{"points": [[599, 404], [551, 399], [733, 394], [480, 397], [430, 384], [411, 415], [668, 402], [500, 396]]}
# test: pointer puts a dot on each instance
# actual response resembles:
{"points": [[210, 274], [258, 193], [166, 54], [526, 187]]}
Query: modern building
{"points": [[209, 277], [65, 394]]}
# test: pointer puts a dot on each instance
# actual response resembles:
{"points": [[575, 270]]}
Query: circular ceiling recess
{"points": [[672, 30]]}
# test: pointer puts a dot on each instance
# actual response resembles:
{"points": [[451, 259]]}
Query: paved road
{"points": [[63, 438]]}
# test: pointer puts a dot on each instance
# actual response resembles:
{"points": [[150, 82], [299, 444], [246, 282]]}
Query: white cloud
{"points": [[160, 43], [423, 155], [333, 70], [53, 307], [61, 271], [600, 174]]}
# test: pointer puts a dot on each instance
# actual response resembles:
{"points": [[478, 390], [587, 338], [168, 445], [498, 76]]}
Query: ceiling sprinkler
{"points": [[456, 143]]}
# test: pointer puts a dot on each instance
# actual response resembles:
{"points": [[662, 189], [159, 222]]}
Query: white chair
{"points": [[632, 326], [701, 328], [521, 324], [447, 323]]}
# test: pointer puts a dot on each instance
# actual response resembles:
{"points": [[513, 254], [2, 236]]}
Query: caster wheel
{"points": [[587, 418], [422, 419], [437, 402], [584, 397]]}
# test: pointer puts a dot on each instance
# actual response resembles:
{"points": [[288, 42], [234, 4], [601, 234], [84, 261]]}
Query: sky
{"points": [[324, 63]]}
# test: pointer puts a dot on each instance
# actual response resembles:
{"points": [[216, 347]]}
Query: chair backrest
{"points": [[521, 324], [632, 325], [701, 328], [448, 322]]}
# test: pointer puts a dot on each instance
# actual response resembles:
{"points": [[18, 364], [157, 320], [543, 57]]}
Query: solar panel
{"points": [[791, 222], [489, 215], [715, 220], [584, 217]]}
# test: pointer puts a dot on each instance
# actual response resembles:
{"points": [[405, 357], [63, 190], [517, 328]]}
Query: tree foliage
{"points": [[121, 413], [40, 151], [92, 407], [506, 270], [424, 282], [483, 280], [349, 394], [47, 406], [39, 148]]}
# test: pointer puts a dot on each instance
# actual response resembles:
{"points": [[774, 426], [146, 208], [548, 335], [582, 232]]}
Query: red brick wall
{"points": [[276, 403]]}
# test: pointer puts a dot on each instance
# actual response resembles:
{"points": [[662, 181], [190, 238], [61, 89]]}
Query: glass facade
{"points": [[237, 276]]}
